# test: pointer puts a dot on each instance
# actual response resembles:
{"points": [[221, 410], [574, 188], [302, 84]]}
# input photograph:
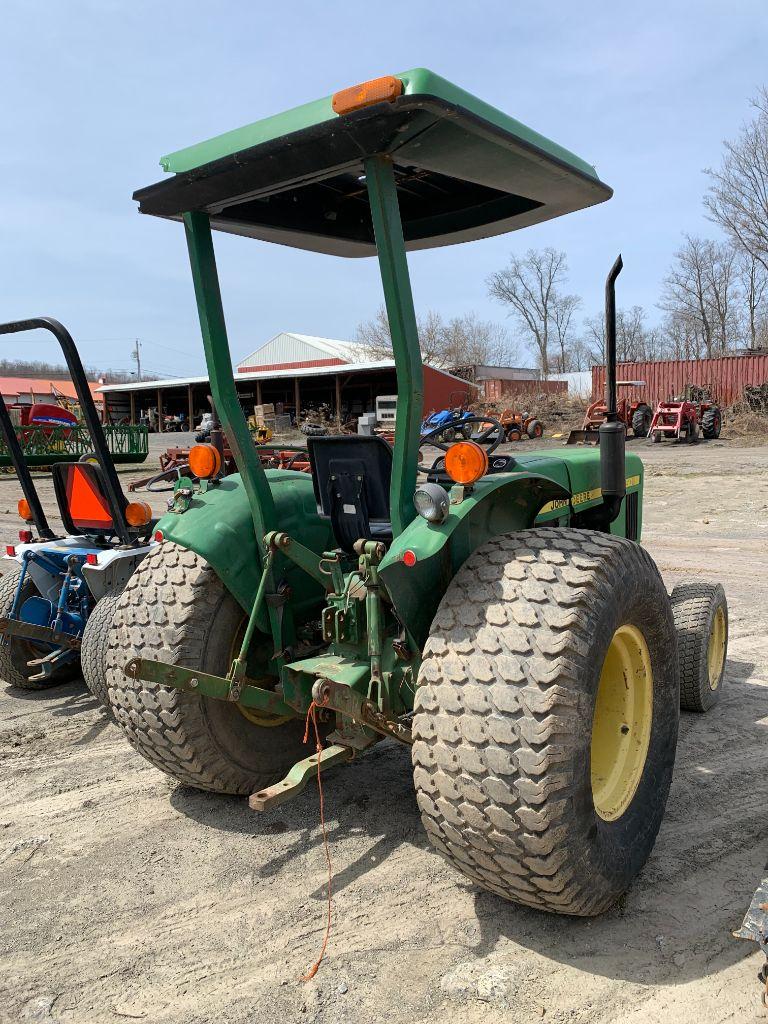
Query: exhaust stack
{"points": [[612, 431]]}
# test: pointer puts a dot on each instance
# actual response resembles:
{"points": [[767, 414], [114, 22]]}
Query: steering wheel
{"points": [[494, 427]]}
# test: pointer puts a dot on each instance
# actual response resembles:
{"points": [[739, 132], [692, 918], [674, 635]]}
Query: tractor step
{"points": [[297, 778], [42, 634]]}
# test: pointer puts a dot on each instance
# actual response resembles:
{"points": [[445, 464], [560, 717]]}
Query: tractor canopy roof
{"points": [[464, 170]]}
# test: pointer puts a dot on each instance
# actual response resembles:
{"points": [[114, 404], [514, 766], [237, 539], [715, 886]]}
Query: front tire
{"points": [[547, 645], [701, 621], [175, 609]]}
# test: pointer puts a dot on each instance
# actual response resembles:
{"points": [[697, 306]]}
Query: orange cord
{"points": [[319, 746]]}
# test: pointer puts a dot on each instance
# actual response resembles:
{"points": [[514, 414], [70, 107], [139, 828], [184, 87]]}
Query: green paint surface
{"points": [[416, 82], [499, 503], [218, 525]]}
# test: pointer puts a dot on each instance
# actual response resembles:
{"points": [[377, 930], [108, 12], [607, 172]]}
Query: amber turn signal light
{"points": [[25, 512], [378, 90], [137, 513], [204, 461], [466, 462]]}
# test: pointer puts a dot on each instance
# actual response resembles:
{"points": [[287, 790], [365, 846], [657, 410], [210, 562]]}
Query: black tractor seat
{"points": [[351, 475]]}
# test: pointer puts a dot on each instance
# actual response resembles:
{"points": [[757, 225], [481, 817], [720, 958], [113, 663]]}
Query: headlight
{"points": [[432, 502]]}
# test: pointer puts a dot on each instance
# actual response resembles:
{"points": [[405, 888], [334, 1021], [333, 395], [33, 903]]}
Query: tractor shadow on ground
{"points": [[675, 923], [64, 701], [373, 798]]}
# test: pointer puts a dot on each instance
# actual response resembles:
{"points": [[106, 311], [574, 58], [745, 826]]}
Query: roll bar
{"points": [[114, 493]]}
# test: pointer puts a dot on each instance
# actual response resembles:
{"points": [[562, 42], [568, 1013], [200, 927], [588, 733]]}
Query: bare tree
{"points": [[630, 334], [594, 339], [753, 280], [701, 289], [580, 355], [374, 342], [529, 286], [655, 343], [684, 295], [738, 193], [463, 341], [470, 341], [563, 310], [635, 342], [681, 339], [722, 274]]}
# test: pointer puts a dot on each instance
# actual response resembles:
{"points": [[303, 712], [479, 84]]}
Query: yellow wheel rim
{"points": [[261, 718], [716, 649], [621, 726]]}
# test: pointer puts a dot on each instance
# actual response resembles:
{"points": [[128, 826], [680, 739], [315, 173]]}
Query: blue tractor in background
{"points": [[452, 420], [57, 597]]}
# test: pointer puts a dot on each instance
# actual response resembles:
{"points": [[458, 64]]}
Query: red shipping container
{"points": [[727, 376]]}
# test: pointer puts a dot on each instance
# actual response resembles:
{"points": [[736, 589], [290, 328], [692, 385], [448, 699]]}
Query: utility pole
{"points": [[136, 354]]}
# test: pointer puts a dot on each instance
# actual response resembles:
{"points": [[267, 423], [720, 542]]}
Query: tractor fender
{"points": [[497, 504], [218, 526]]}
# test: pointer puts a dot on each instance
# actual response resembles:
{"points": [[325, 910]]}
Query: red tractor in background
{"points": [[683, 418], [636, 416]]}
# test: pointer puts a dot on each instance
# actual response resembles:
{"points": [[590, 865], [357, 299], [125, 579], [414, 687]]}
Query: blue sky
{"points": [[95, 91]]}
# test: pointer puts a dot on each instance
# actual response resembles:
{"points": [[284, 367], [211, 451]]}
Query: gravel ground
{"points": [[124, 896]]}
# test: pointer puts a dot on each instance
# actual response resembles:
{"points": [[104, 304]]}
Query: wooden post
{"points": [[105, 412], [338, 401], [296, 397], [191, 407], [258, 392], [160, 424], [132, 396]]}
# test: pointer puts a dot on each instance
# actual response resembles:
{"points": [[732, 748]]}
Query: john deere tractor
{"points": [[495, 613]]}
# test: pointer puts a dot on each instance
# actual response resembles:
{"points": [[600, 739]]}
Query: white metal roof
{"points": [[288, 347], [314, 371]]}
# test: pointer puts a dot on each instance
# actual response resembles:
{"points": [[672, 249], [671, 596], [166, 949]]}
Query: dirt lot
{"points": [[124, 896]]}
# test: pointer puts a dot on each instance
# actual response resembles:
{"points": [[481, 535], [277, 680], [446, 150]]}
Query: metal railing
{"points": [[42, 444]]}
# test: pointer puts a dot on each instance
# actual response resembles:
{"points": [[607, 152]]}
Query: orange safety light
{"points": [[204, 461], [466, 462], [137, 513], [88, 508], [378, 90], [25, 512]]}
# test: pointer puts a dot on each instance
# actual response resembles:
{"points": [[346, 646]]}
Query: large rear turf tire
{"points": [[546, 718], [701, 620], [176, 609], [93, 652], [15, 654]]}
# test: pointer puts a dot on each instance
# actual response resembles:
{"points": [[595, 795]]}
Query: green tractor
{"points": [[495, 613]]}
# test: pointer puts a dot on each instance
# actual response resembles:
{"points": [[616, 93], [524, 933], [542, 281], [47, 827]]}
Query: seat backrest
{"points": [[351, 475]]}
